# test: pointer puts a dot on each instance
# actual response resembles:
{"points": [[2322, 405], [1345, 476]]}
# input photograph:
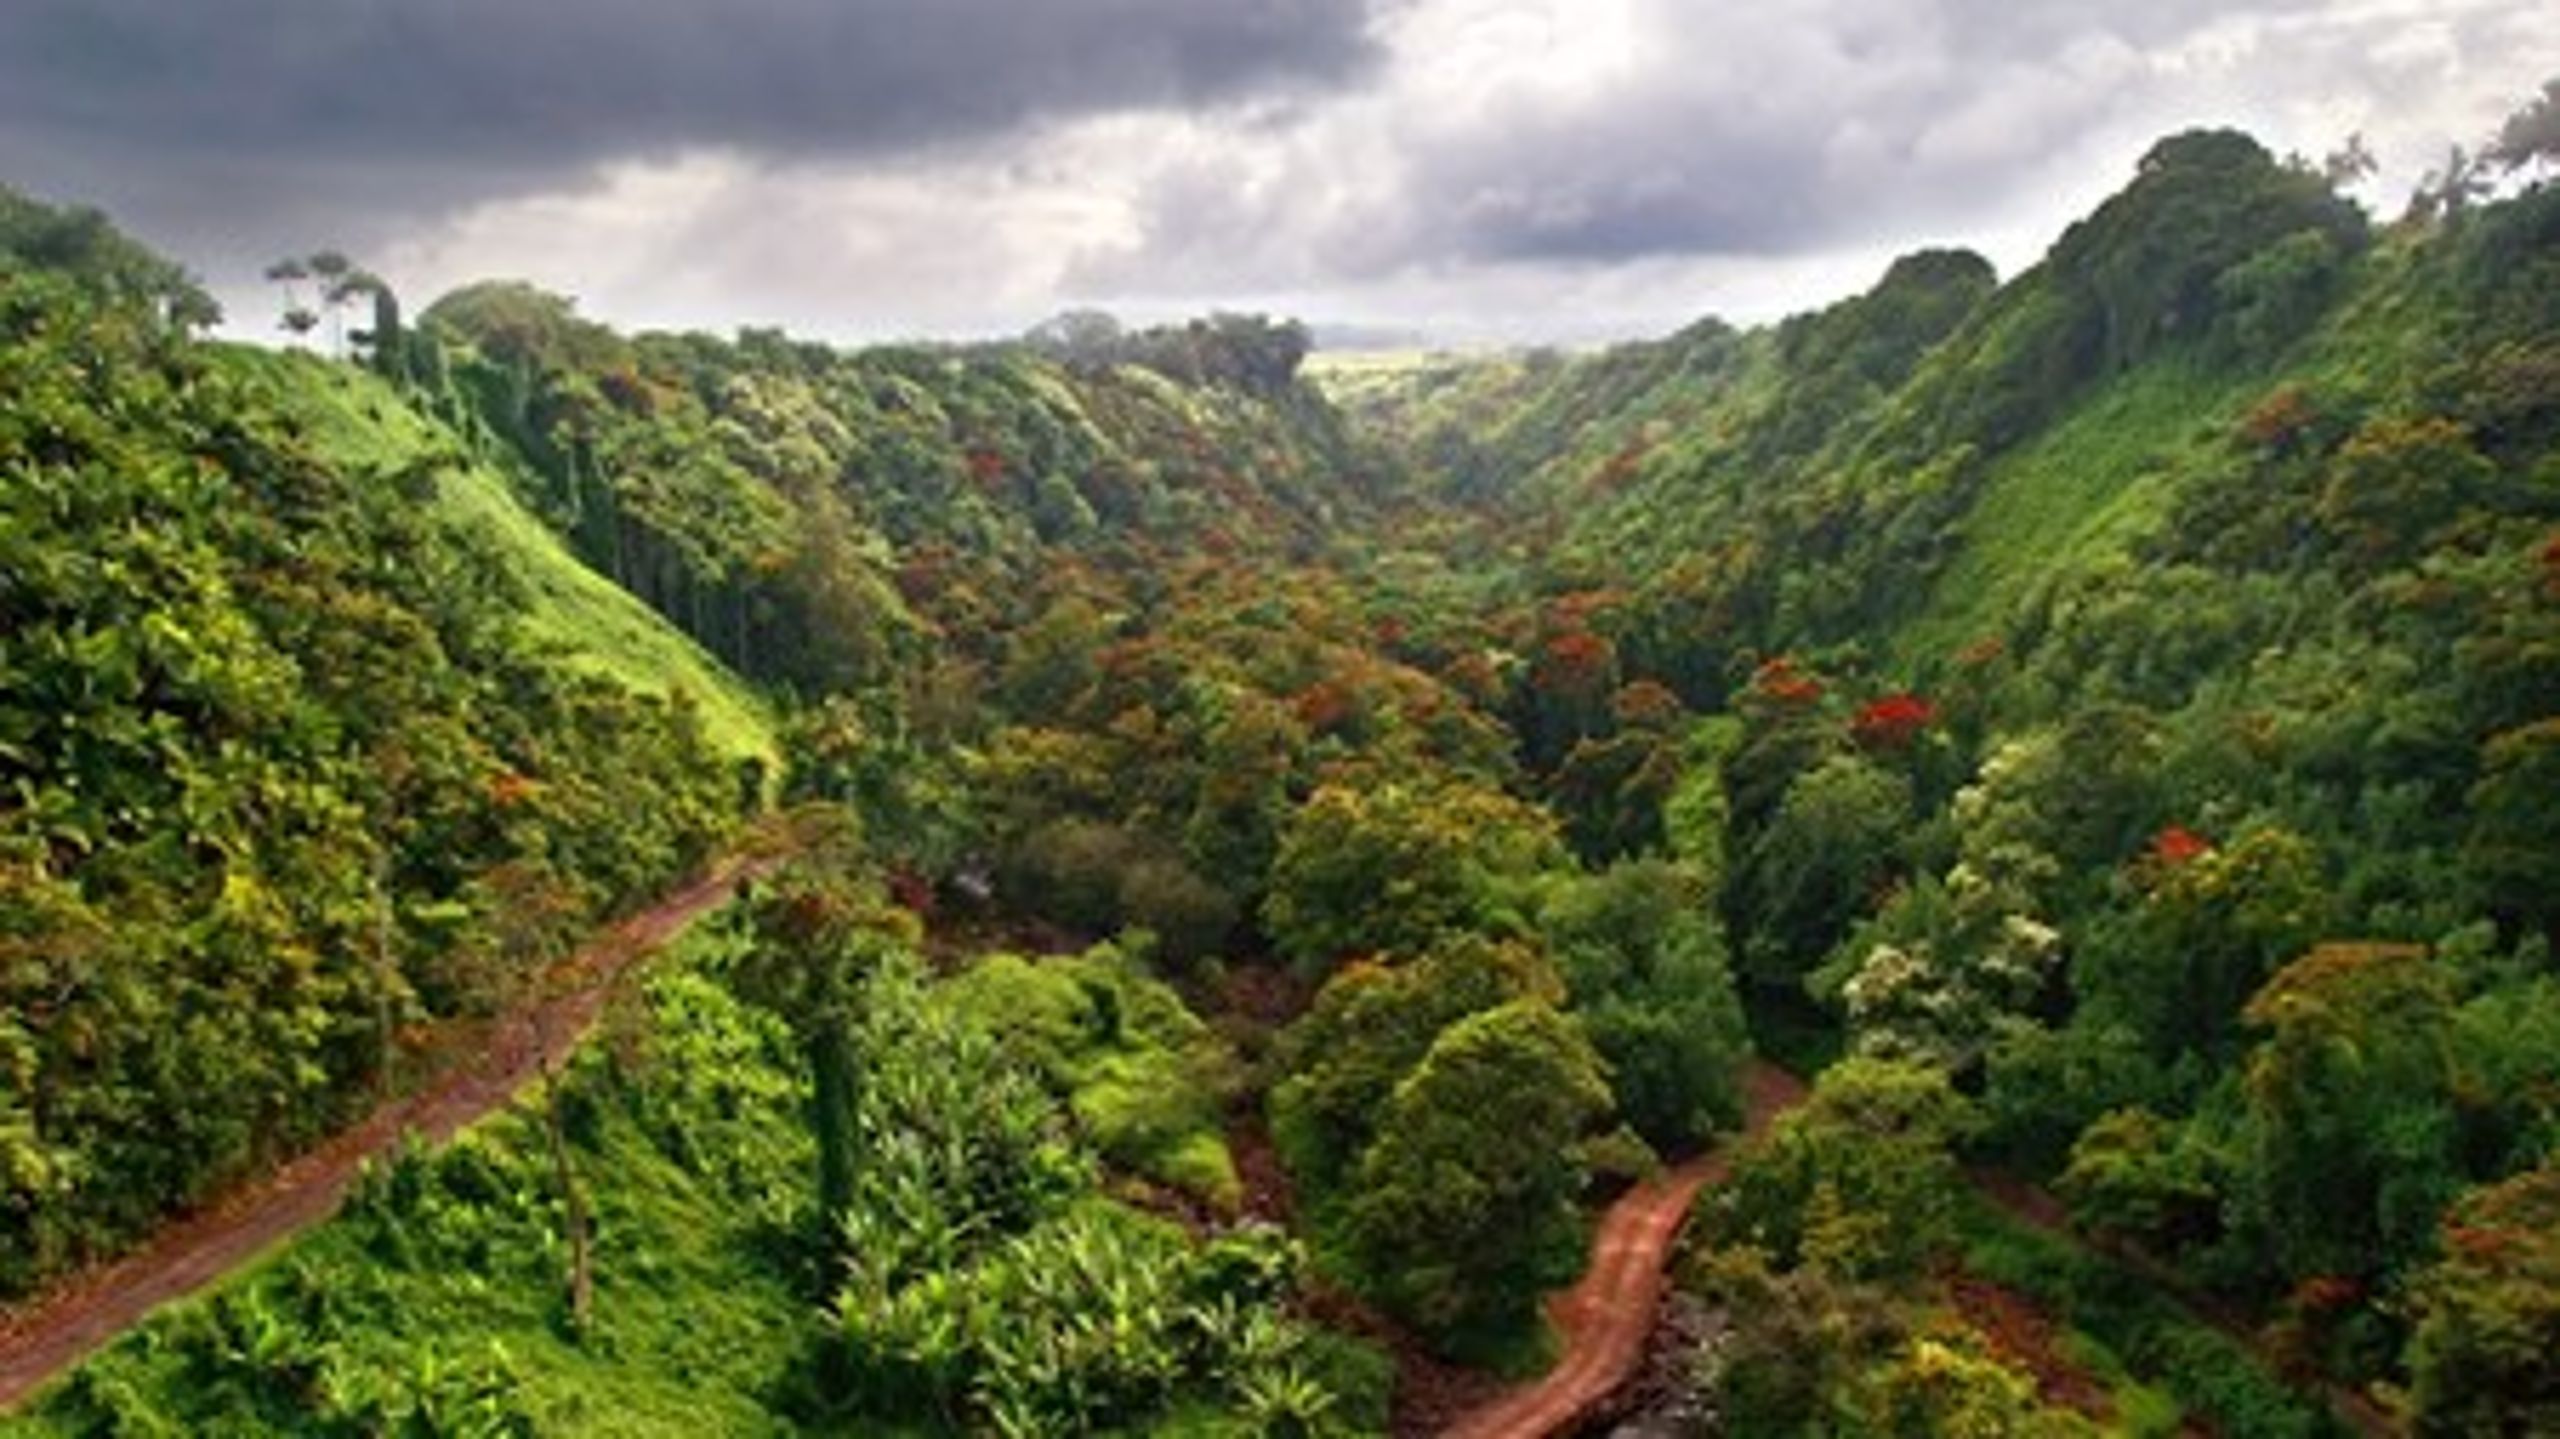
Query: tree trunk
{"points": [[831, 1070], [384, 972], [574, 1202]]}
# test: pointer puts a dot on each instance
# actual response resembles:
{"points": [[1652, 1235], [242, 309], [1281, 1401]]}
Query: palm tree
{"points": [[290, 272]]}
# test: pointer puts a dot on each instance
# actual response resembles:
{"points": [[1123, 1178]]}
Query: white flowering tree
{"points": [[1945, 959]]}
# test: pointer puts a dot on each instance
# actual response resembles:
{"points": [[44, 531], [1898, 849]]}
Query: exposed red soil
{"points": [[2021, 1335], [1606, 1316], [43, 1338], [2039, 1209], [1268, 1195], [1430, 1392]]}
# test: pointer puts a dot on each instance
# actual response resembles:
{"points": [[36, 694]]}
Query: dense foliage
{"points": [[2135, 685], [987, 1286], [2116, 712], [283, 775], [434, 1303]]}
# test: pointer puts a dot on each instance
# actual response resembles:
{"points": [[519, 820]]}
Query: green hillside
{"points": [[2101, 725], [433, 1299], [359, 423], [2074, 497], [293, 776]]}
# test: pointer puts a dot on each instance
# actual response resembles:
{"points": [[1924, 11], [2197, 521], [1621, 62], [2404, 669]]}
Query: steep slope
{"points": [[818, 517], [430, 1300], [290, 767], [357, 422], [41, 1342], [2134, 693]]}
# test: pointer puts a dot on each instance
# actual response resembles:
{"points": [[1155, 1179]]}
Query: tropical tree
{"points": [[2352, 1131], [1464, 1214], [1821, 864], [1861, 1179], [1393, 867], [299, 318], [1370, 1025], [1643, 958], [2514, 841], [820, 929], [2488, 1313]]}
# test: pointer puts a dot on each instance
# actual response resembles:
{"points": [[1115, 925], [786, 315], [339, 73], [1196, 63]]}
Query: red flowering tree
{"points": [[1892, 724], [2480, 1360], [2178, 845]]}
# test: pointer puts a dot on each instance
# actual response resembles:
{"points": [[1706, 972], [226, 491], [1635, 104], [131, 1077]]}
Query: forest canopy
{"points": [[1273, 843]]}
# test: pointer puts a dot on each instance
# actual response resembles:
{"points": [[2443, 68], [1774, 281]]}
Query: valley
{"points": [[2099, 726]]}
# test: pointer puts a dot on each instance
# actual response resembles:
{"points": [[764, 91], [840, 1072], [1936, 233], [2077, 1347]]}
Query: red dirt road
{"points": [[1605, 1317], [44, 1338]]}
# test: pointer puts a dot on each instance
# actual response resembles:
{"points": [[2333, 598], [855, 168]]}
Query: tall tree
{"points": [[1465, 1212], [821, 928], [2481, 1357], [2352, 1131], [299, 318]]}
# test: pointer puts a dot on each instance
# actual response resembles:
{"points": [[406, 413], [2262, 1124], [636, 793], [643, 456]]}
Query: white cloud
{"points": [[1521, 169]]}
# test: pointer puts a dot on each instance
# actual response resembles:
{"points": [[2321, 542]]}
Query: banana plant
{"points": [[1283, 1403]]}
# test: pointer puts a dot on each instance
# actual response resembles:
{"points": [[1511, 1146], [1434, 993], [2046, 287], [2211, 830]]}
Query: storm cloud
{"points": [[1476, 168], [400, 108]]}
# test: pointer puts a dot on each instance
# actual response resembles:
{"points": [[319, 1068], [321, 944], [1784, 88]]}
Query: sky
{"points": [[1443, 171]]}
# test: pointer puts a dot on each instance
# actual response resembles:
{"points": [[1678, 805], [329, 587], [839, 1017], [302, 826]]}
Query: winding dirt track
{"points": [[1607, 1314], [42, 1339], [2038, 1209]]}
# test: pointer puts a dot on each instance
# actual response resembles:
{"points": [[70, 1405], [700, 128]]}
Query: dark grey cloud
{"points": [[866, 167], [1648, 179], [213, 114]]}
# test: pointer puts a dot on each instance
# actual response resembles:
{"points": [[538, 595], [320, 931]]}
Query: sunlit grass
{"points": [[356, 420], [2083, 490]]}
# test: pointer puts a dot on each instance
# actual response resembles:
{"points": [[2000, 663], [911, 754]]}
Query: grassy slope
{"points": [[356, 420], [2097, 480], [1384, 385], [438, 1290], [444, 1281], [2083, 489]]}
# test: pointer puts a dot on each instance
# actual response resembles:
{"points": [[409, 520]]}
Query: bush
{"points": [[1861, 1180], [1190, 917], [2481, 1358]]}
